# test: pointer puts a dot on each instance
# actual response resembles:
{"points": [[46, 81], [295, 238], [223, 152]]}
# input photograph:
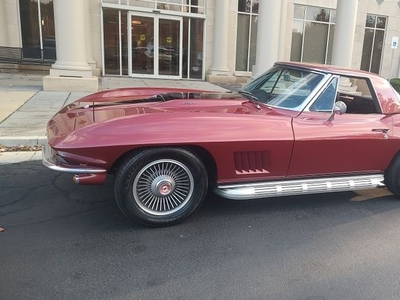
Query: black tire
{"points": [[392, 176], [160, 186]]}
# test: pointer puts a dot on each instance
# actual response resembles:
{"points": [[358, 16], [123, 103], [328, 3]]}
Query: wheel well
{"points": [[391, 175], [200, 152], [394, 158], [208, 162]]}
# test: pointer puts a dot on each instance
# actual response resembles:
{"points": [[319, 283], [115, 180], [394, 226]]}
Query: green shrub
{"points": [[395, 82]]}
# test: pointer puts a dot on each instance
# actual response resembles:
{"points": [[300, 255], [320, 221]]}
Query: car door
{"points": [[333, 144]]}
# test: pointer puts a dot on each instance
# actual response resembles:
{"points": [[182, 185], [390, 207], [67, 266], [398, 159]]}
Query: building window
{"points": [[37, 29], [374, 39], [197, 6], [115, 42], [312, 34], [193, 32], [246, 37]]}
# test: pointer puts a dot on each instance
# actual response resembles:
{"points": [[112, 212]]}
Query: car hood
{"points": [[124, 94], [126, 107]]}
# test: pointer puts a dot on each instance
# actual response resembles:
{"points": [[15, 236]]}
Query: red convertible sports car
{"points": [[297, 129]]}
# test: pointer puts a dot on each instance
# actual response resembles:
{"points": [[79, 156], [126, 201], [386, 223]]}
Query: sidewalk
{"points": [[26, 108]]}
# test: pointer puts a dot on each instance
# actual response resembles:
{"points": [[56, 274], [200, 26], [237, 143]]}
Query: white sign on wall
{"points": [[395, 42]]}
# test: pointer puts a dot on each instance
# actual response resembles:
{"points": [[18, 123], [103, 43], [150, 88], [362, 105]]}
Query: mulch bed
{"points": [[19, 148]]}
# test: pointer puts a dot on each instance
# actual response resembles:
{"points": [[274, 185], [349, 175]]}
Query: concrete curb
{"points": [[10, 141], [19, 157]]}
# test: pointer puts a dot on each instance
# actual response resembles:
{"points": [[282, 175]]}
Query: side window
{"points": [[326, 100], [357, 95]]}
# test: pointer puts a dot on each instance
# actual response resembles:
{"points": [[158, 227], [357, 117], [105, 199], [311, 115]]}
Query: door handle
{"points": [[383, 130]]}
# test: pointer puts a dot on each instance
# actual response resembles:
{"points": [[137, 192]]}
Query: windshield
{"points": [[284, 87]]}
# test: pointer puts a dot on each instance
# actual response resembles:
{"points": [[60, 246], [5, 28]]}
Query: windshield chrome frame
{"points": [[330, 77]]}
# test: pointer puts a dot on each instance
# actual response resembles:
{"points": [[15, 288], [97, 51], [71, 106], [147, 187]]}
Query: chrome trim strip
{"points": [[299, 187], [49, 160], [321, 90]]}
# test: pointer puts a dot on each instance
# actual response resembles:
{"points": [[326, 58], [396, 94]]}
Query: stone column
{"points": [[71, 71], [345, 28], [3, 25], [88, 37], [13, 28], [268, 29], [282, 34], [219, 71]]}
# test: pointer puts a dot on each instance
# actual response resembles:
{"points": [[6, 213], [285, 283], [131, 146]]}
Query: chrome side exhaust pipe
{"points": [[89, 179]]}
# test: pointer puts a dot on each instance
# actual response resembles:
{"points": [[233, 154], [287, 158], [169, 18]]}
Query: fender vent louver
{"points": [[252, 162]]}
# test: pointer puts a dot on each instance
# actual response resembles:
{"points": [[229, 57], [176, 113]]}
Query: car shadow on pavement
{"points": [[33, 194], [329, 208]]}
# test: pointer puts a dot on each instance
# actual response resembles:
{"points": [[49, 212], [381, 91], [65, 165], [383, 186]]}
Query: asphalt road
{"points": [[65, 241]]}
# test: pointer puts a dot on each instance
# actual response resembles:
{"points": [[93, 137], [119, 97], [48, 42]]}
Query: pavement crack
{"points": [[58, 188], [16, 210], [58, 217], [24, 196]]}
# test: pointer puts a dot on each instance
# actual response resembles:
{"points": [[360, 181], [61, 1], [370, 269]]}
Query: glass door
{"points": [[154, 46], [140, 44], [170, 46]]}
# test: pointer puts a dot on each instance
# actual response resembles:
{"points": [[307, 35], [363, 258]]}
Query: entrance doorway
{"points": [[154, 45]]}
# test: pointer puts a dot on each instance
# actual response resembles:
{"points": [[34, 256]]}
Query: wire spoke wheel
{"points": [[160, 186], [163, 187]]}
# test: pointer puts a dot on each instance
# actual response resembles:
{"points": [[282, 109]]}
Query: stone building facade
{"points": [[214, 40]]}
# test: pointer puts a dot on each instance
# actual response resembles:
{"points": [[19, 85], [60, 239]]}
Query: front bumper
{"points": [[49, 160]]}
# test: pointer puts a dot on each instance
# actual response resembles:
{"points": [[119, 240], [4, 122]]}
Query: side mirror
{"points": [[340, 108]]}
